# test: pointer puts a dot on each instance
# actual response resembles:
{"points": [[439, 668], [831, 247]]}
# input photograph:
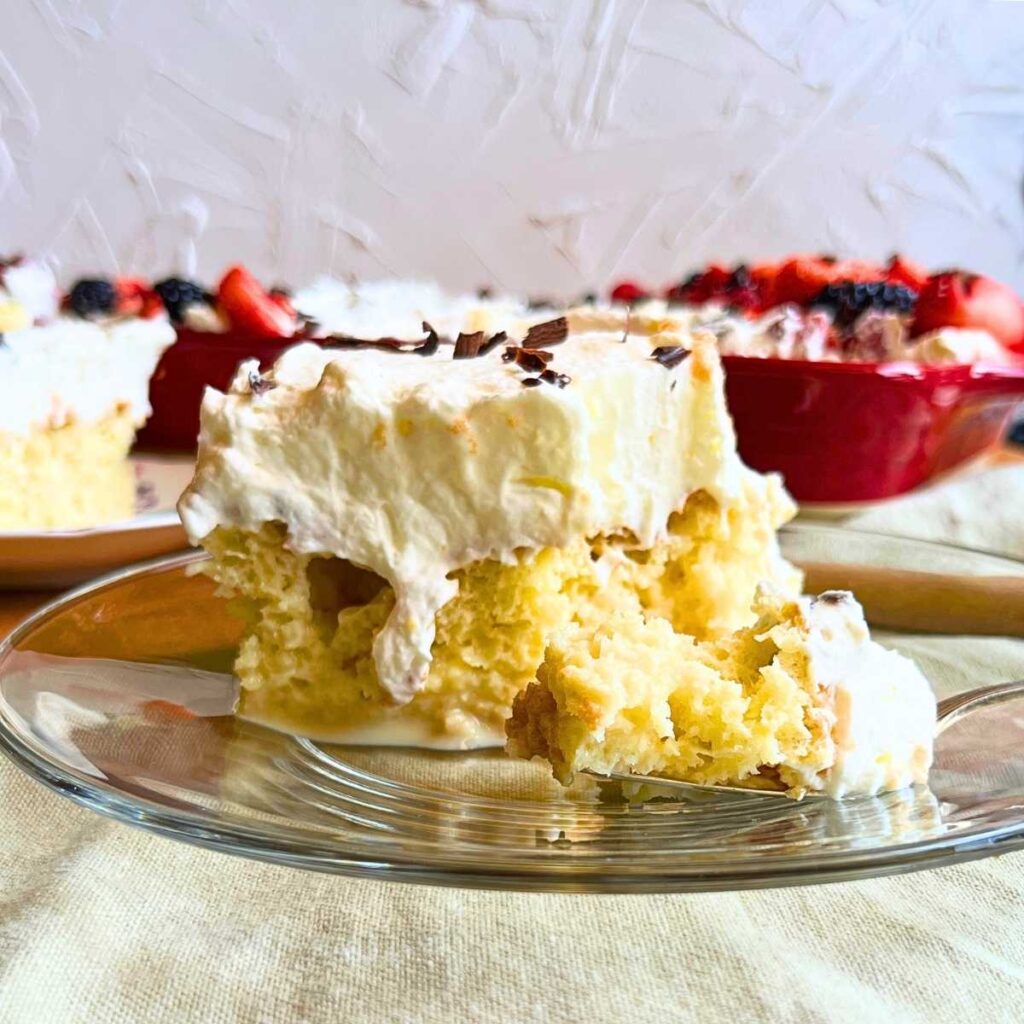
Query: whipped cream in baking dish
{"points": [[32, 288], [415, 464]]}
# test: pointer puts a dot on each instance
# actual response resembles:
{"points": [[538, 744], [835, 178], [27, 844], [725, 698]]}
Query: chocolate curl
{"points": [[552, 332], [670, 356]]}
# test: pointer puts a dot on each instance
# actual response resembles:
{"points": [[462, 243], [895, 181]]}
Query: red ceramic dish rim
{"points": [[773, 365]]}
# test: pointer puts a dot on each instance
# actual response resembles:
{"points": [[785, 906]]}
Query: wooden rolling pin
{"points": [[926, 602]]}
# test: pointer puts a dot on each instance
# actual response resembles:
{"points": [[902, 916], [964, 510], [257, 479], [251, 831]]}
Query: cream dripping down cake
{"points": [[417, 530], [75, 385]]}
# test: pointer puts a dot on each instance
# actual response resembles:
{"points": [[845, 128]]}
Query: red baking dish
{"points": [[196, 360], [852, 432]]}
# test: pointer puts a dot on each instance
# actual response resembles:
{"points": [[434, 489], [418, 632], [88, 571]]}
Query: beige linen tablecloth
{"points": [[100, 922]]}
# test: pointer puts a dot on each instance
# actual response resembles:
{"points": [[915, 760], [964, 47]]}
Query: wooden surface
{"points": [[15, 605]]}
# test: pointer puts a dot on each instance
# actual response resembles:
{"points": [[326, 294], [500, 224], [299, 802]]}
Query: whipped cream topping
{"points": [[33, 286], [397, 309], [884, 708], [414, 466], [72, 370]]}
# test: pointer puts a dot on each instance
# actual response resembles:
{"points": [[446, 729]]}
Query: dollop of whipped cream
{"points": [[883, 707], [31, 287], [415, 465]]}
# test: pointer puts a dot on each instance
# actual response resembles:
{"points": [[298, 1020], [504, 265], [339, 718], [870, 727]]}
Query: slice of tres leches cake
{"points": [[405, 523], [75, 390], [801, 700]]}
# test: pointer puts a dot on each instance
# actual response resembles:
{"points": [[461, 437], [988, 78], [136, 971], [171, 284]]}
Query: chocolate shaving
{"points": [[532, 360], [531, 382], [539, 302], [670, 356], [430, 344], [558, 379], [467, 346], [427, 347], [259, 385], [551, 332], [493, 342]]}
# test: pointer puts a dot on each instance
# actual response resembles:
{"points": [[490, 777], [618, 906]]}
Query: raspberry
{"points": [[735, 288], [628, 292]]}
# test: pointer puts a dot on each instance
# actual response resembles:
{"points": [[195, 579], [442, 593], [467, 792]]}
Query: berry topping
{"points": [[283, 300], [801, 278], [177, 294], [92, 297], [846, 300], [957, 299], [628, 292], [735, 288], [250, 308], [136, 298]]}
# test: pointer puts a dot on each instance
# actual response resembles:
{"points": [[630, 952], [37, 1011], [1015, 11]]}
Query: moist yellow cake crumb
{"points": [[633, 696], [68, 476], [306, 664], [802, 700]]}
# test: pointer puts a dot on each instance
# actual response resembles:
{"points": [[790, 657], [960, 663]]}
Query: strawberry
{"points": [[248, 307], [628, 292], [900, 270], [763, 275], [282, 300], [800, 278], [152, 305], [958, 299]]}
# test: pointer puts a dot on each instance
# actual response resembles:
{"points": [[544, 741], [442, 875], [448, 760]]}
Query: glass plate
{"points": [[119, 696]]}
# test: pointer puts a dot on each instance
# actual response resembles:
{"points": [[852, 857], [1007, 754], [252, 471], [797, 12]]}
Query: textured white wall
{"points": [[546, 145]]}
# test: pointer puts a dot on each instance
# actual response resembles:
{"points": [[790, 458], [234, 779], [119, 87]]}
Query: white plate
{"points": [[31, 559]]}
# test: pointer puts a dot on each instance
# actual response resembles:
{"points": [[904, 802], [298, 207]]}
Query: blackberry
{"points": [[92, 296], [846, 300], [176, 294], [1017, 433]]}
